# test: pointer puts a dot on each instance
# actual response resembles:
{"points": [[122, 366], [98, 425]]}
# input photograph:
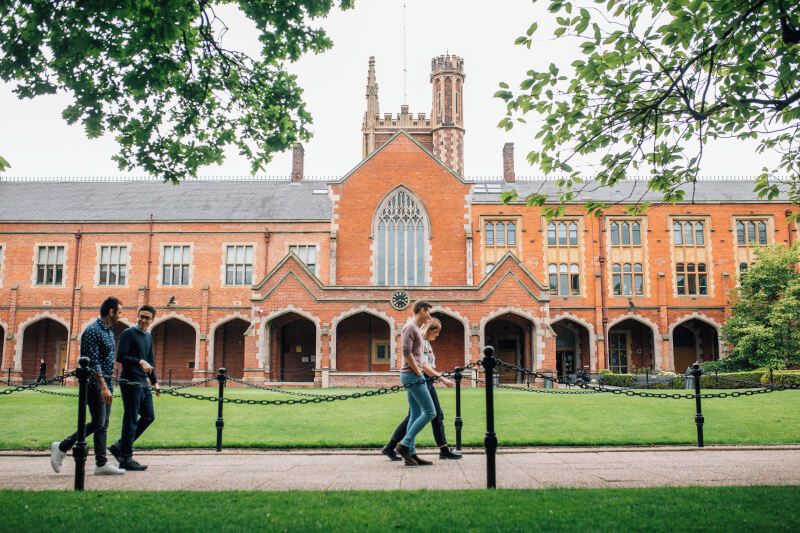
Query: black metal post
{"points": [[9, 375], [647, 377], [771, 382], [490, 440], [81, 450], [170, 378], [698, 418], [459, 422], [716, 381], [221, 377]]}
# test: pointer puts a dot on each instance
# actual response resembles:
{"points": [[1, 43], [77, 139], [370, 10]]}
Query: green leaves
{"points": [[655, 80], [156, 75], [764, 326]]}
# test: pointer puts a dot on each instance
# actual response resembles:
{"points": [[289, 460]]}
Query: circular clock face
{"points": [[399, 299]]}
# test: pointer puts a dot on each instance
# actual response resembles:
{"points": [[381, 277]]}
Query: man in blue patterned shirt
{"points": [[97, 343]]}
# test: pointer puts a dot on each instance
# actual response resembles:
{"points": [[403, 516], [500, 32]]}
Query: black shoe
{"points": [[114, 450], [446, 453], [389, 452], [130, 464]]}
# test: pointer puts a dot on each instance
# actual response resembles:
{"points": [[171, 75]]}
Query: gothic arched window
{"points": [[401, 225]]}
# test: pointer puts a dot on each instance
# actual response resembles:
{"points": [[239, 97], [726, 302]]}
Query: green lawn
{"points": [[33, 420], [722, 509]]}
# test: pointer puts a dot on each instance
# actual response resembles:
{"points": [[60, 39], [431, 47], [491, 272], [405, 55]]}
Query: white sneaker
{"points": [[108, 470], [56, 457]]}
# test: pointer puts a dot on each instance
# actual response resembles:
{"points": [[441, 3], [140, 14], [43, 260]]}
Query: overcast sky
{"points": [[37, 142]]}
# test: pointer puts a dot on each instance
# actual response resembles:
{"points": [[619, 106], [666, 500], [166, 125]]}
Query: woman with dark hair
{"points": [[430, 330]]}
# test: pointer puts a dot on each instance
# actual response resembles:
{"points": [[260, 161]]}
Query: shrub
{"points": [[707, 381], [617, 380], [724, 365], [782, 377]]}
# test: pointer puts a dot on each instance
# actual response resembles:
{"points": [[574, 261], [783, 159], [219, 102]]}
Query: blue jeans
{"points": [[137, 415], [420, 406]]}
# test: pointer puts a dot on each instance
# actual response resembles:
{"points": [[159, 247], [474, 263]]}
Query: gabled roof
{"points": [[390, 141], [194, 200]]}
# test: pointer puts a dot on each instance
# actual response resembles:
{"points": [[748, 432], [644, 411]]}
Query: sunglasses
{"points": [[145, 317]]}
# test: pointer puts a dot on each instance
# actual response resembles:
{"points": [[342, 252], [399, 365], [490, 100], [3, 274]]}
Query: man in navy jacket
{"points": [[135, 353]]}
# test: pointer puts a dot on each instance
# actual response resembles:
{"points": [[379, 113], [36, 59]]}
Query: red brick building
{"points": [[304, 281]]}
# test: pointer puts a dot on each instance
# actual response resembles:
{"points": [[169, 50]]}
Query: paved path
{"points": [[368, 470]]}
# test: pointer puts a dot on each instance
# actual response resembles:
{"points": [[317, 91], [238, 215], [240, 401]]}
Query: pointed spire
{"points": [[372, 90]]}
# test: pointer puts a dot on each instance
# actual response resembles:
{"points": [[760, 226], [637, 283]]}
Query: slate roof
{"points": [[628, 191], [220, 199], [136, 200]]}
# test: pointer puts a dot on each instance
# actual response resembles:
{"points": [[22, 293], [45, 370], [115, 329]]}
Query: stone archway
{"points": [[573, 348], [693, 339], [292, 348], [363, 343], [511, 335], [175, 347], [449, 347], [228, 348], [631, 345], [43, 340]]}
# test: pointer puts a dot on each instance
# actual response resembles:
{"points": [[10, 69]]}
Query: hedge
{"points": [[782, 377], [707, 381], [617, 380]]}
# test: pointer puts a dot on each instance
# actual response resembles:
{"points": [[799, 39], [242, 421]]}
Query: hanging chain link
{"points": [[33, 386]]}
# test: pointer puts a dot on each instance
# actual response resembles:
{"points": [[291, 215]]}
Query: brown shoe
{"points": [[405, 453], [421, 461]]}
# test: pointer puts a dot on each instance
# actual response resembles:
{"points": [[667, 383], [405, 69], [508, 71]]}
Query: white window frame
{"points": [[307, 245], [223, 276], [161, 247], [98, 250], [64, 277]]}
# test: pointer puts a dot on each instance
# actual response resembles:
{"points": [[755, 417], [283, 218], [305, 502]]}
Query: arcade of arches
{"points": [[363, 345]]}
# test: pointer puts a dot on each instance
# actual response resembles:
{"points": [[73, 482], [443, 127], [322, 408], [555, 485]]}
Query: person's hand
{"points": [[447, 382], [106, 396], [146, 367], [158, 390]]}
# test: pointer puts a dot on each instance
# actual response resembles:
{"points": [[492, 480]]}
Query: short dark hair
{"points": [[420, 305], [109, 304], [149, 308]]}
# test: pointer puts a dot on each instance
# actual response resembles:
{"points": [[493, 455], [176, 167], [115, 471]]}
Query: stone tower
{"points": [[442, 133], [447, 117]]}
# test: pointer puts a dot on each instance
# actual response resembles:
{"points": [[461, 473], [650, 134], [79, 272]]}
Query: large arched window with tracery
{"points": [[400, 230]]}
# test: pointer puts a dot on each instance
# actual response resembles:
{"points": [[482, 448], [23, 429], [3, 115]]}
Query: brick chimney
{"points": [[508, 163], [298, 153]]}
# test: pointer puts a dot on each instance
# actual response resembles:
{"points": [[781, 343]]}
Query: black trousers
{"points": [[138, 414], [437, 424], [98, 427]]}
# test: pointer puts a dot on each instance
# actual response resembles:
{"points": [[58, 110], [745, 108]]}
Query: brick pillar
{"points": [[11, 334], [508, 163], [201, 369], [74, 349], [253, 371], [298, 154], [663, 324]]}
